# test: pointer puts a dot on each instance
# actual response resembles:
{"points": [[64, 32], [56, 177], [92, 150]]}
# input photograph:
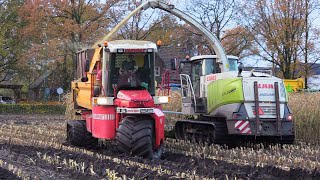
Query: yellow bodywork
{"points": [[294, 85], [82, 90]]}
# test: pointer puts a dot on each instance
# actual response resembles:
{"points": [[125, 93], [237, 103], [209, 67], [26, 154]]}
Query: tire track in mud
{"points": [[223, 154], [6, 174], [175, 164], [33, 168], [201, 167], [207, 167], [286, 157], [98, 165]]}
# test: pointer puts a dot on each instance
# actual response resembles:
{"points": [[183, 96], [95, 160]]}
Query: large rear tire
{"points": [[78, 135], [135, 136]]}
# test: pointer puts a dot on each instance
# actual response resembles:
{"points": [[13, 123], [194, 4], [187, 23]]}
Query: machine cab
{"points": [[233, 63], [128, 64], [193, 81], [200, 67]]}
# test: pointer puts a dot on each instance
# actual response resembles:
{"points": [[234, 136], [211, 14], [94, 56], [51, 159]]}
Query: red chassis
{"points": [[103, 120]]}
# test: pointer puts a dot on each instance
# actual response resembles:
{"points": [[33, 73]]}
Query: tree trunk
{"points": [[306, 45], [66, 79]]}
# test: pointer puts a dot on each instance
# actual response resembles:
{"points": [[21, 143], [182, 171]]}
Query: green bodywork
{"points": [[224, 91], [289, 88]]}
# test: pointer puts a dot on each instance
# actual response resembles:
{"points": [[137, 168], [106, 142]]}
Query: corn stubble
{"points": [[288, 157], [40, 137], [305, 154], [306, 113]]}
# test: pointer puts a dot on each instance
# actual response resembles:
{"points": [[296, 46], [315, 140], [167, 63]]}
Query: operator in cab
{"points": [[128, 71], [129, 65]]}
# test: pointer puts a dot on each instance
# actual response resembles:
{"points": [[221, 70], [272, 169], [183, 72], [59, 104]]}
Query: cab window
{"points": [[233, 64], [131, 71], [209, 67]]}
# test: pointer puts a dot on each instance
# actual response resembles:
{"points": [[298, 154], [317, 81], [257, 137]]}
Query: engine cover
{"points": [[134, 98]]}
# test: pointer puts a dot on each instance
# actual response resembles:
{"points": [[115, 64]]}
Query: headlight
{"points": [[103, 101], [161, 99]]}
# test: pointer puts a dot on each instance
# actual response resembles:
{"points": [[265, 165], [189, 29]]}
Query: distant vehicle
{"points": [[7, 100], [294, 85]]}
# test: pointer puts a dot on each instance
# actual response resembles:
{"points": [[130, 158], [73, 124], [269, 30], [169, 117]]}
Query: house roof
{"points": [[40, 79], [11, 86]]}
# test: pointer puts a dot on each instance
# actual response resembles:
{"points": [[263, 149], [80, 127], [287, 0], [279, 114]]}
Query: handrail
{"points": [[186, 77], [165, 84]]}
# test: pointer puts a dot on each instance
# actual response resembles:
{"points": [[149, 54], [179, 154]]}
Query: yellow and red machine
{"points": [[115, 95]]}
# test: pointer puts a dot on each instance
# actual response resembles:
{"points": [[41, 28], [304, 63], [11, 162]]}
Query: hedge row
{"points": [[31, 109]]}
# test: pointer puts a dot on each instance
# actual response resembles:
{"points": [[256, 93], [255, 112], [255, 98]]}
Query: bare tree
{"points": [[216, 15], [308, 47], [140, 25], [278, 28], [239, 42]]}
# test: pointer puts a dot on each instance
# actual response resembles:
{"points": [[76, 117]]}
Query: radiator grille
{"points": [[267, 110]]}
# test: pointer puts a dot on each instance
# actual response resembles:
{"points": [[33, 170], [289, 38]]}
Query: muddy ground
{"points": [[23, 155]]}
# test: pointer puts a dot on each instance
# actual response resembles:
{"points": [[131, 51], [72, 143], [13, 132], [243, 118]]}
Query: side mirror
{"points": [[174, 63], [240, 67], [87, 65], [84, 79]]}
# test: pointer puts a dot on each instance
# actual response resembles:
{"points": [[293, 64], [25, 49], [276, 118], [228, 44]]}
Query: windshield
{"points": [[131, 71], [210, 67], [233, 64]]}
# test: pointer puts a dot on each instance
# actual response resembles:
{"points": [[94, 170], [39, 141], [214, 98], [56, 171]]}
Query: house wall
{"points": [[159, 64], [314, 82]]}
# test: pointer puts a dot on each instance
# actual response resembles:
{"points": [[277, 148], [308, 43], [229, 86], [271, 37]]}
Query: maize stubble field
{"points": [[34, 147]]}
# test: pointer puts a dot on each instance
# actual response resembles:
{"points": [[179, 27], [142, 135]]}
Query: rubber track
{"points": [[78, 135], [135, 136], [221, 133]]}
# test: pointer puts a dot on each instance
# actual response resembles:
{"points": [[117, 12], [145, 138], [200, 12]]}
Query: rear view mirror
{"points": [[87, 65], [218, 69], [84, 79], [174, 63]]}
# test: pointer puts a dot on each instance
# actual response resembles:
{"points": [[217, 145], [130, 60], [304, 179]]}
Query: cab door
{"points": [[196, 73]]}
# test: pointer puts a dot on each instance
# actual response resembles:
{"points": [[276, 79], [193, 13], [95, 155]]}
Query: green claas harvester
{"points": [[233, 104]]}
